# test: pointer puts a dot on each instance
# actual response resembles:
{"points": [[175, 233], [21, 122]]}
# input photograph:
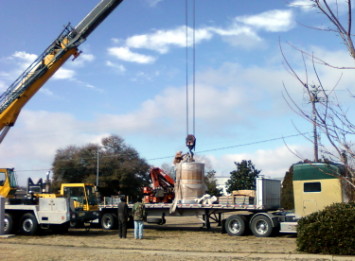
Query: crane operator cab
{"points": [[82, 201], [8, 184]]}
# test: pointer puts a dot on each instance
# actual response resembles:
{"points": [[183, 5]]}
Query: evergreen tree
{"points": [[211, 184], [287, 200], [243, 177]]}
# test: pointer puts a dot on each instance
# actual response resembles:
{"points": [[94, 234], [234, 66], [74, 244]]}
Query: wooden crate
{"points": [[245, 192], [235, 200]]}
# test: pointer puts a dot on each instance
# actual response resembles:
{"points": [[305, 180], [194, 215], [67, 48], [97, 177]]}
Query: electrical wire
{"points": [[200, 152]]}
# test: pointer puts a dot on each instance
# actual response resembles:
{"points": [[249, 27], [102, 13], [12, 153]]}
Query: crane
{"points": [[162, 189], [43, 68]]}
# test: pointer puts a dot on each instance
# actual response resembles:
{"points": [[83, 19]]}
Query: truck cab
{"points": [[315, 186], [82, 200], [8, 184]]}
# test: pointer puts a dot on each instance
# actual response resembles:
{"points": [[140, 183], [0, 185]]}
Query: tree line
{"points": [[119, 169]]}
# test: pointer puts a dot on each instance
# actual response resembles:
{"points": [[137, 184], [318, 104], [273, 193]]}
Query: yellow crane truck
{"points": [[75, 202]]}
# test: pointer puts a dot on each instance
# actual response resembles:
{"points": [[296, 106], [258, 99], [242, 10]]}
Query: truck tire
{"points": [[29, 224], [8, 224], [108, 221], [261, 226], [235, 225]]}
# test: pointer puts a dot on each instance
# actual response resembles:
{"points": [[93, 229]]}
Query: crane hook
{"points": [[191, 143]]}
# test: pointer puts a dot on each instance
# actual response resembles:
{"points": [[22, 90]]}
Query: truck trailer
{"points": [[315, 186]]}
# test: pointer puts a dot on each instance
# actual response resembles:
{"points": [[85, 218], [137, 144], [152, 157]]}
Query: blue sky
{"points": [[130, 80]]}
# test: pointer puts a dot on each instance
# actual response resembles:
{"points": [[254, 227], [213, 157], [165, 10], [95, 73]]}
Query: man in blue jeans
{"points": [[138, 212]]}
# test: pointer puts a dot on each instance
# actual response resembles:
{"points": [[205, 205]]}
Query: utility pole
{"points": [[314, 99], [97, 167]]}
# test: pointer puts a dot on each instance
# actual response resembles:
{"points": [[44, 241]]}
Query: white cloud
{"points": [[338, 7], [64, 74], [272, 21], [25, 58], [242, 33], [304, 5], [161, 108], [342, 79], [162, 40], [3, 86], [221, 100], [273, 163], [125, 54], [33, 141], [118, 67], [46, 91], [144, 76], [153, 3], [83, 59], [19, 61]]}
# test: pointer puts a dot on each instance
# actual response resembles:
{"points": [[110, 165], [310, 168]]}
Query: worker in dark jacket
{"points": [[122, 218]]}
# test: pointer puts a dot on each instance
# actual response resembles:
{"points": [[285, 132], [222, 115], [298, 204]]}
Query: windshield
{"points": [[90, 192], [13, 182], [12, 179]]}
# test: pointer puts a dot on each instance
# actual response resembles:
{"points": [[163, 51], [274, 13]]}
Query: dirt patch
{"points": [[180, 239]]}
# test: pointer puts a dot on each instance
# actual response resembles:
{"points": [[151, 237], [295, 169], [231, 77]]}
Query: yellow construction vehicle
{"points": [[75, 202], [81, 198]]}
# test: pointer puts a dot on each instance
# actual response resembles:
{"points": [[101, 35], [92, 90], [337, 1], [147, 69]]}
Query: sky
{"points": [[132, 75]]}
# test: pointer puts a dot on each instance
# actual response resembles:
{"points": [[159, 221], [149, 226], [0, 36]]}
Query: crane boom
{"points": [[43, 68]]}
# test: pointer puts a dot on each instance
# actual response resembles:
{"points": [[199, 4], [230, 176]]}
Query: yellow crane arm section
{"points": [[35, 76], [48, 66]]}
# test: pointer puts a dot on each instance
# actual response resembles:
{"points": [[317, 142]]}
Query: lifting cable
{"points": [[190, 139]]}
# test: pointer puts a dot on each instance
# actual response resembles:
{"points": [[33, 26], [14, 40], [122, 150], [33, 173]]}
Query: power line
{"points": [[253, 143], [198, 152]]}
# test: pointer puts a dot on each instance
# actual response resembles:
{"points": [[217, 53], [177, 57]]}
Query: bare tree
{"points": [[328, 116]]}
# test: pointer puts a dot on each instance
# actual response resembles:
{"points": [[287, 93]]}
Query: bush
{"points": [[330, 231]]}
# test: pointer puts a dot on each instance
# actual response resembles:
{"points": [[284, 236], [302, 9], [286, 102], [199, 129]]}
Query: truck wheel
{"points": [[8, 224], [235, 225], [261, 226], [29, 224], [108, 221]]}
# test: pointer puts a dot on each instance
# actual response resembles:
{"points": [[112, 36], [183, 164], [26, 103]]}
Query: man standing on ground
{"points": [[122, 218], [138, 212]]}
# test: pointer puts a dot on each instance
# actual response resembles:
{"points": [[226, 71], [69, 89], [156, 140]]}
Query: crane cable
{"points": [[190, 139], [193, 68]]}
